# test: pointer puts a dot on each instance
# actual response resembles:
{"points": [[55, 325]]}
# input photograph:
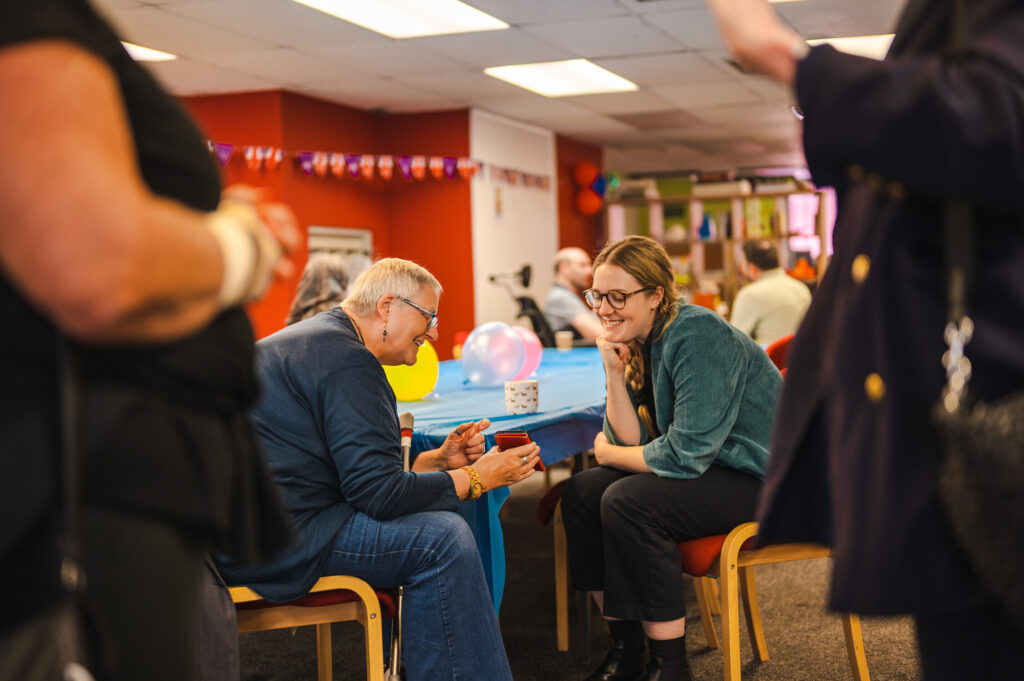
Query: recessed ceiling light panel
{"points": [[873, 46], [140, 53], [562, 78], [409, 18]]}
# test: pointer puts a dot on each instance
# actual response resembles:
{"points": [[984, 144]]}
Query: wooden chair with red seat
{"points": [[337, 598], [778, 351], [732, 559]]}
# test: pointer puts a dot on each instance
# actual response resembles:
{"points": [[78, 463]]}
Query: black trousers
{"points": [[142, 591], [622, 529]]}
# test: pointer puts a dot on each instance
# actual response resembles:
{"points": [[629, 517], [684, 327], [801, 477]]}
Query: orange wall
{"points": [[431, 220], [427, 221], [575, 229]]}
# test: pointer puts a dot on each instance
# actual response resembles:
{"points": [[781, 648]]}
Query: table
{"points": [[570, 413]]}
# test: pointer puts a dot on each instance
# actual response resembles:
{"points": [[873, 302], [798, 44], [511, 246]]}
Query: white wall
{"points": [[526, 228]]}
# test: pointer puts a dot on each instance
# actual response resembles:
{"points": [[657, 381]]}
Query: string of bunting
{"points": [[410, 167]]}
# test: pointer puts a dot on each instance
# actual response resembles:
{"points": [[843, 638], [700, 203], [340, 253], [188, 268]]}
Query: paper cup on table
{"points": [[521, 397], [563, 340]]}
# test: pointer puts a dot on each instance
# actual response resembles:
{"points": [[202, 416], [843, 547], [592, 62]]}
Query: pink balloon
{"points": [[534, 350]]}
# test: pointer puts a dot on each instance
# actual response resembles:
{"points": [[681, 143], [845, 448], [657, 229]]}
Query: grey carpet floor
{"points": [[804, 641]]}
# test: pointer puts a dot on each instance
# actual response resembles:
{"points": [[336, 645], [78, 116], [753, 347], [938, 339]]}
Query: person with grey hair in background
{"points": [[329, 427], [322, 286]]}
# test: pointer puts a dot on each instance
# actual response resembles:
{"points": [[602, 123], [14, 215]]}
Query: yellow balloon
{"points": [[412, 383]]}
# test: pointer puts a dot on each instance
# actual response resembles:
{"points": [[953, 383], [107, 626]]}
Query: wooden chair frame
{"points": [[736, 575], [365, 610]]}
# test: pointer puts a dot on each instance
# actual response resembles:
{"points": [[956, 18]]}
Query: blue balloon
{"points": [[598, 185], [492, 354]]}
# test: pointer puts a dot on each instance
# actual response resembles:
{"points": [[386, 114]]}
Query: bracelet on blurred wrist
{"points": [[248, 251], [475, 486]]}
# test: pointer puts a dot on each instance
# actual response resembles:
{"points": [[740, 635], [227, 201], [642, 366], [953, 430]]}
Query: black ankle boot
{"points": [[625, 661], [668, 661]]}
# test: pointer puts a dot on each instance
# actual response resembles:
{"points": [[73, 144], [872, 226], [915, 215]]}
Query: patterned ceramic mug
{"points": [[521, 397]]}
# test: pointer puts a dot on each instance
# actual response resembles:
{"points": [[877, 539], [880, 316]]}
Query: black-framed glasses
{"points": [[615, 297], [431, 316]]}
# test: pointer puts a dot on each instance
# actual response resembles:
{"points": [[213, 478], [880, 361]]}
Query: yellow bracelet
{"points": [[475, 487]]}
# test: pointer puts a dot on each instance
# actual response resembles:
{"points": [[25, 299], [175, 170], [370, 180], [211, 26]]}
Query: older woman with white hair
{"points": [[329, 425]]}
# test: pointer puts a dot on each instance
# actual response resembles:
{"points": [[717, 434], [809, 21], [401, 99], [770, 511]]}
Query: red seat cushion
{"points": [[699, 555], [318, 599], [547, 503]]}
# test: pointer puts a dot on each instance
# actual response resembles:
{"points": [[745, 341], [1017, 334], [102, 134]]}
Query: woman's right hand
{"points": [[615, 355], [501, 469]]}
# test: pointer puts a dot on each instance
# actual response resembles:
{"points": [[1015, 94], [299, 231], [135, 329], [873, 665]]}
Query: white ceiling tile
{"points": [[376, 93], [770, 90], [188, 77], [695, 95], [608, 37], [586, 124], [163, 30], [622, 103], [276, 21], [656, 7], [283, 64], [532, 107], [838, 18], [472, 85], [519, 12], [693, 28], [392, 58], [670, 68], [494, 48]]}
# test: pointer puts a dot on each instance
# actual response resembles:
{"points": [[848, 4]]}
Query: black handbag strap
{"points": [[960, 260], [71, 572]]}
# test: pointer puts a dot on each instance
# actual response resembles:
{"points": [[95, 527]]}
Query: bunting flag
{"points": [[366, 166], [223, 152], [419, 167], [405, 166], [338, 165], [437, 167], [352, 162], [305, 159], [385, 164], [450, 166], [320, 163]]}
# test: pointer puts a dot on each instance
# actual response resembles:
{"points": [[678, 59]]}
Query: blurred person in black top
{"points": [[114, 234]]}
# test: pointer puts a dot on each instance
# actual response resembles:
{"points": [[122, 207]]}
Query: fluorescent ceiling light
{"points": [[140, 53], [562, 78], [873, 46], [409, 18]]}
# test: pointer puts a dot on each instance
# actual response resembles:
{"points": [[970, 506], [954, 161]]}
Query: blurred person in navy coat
{"points": [[855, 456]]}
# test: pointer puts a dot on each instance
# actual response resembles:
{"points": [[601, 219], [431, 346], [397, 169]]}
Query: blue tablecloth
{"points": [[570, 413]]}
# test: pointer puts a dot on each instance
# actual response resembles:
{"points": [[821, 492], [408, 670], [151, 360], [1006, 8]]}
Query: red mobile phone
{"points": [[507, 439]]}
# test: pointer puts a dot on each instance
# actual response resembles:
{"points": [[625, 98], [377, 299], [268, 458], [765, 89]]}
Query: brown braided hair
{"points": [[649, 264]]}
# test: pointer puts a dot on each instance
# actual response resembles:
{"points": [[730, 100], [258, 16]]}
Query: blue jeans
{"points": [[449, 629]]}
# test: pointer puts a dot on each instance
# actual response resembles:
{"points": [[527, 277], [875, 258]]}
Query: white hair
{"points": [[402, 278]]}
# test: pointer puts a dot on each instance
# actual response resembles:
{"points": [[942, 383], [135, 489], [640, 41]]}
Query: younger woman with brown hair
{"points": [[687, 427]]}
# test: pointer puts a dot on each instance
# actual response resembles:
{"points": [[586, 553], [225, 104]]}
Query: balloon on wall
{"points": [[492, 354], [587, 202], [584, 173], [534, 351], [412, 383]]}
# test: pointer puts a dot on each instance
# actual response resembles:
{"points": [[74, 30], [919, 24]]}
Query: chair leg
{"points": [[561, 582], [324, 672], [374, 638], [855, 647], [715, 597], [704, 601], [753, 613], [730, 622]]}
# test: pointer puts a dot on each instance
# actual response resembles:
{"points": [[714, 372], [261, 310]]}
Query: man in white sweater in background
{"points": [[773, 305]]}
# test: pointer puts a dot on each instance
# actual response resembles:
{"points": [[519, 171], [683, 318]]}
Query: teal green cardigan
{"points": [[714, 394]]}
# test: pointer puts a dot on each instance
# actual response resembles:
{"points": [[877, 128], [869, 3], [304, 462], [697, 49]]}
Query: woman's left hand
{"points": [[464, 445]]}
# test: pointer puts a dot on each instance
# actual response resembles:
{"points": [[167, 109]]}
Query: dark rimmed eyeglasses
{"points": [[431, 316], [615, 298]]}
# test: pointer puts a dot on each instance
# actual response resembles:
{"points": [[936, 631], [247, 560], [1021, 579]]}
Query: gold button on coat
{"points": [[874, 387], [861, 267]]}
